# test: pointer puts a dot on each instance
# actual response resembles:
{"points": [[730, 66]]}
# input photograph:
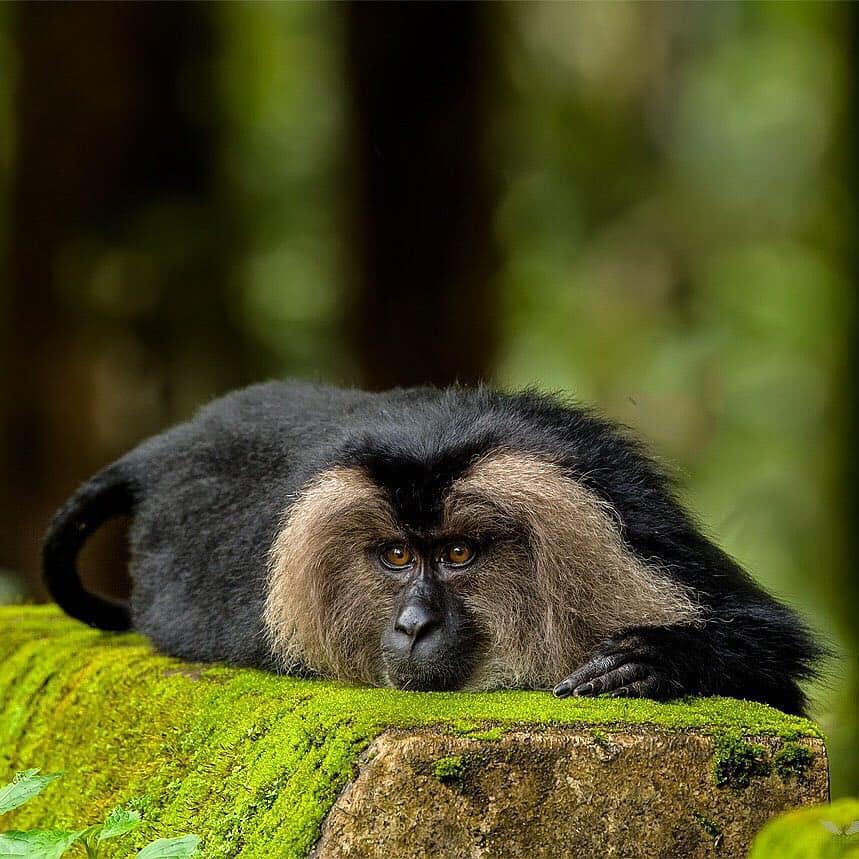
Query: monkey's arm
{"points": [[756, 650], [746, 645]]}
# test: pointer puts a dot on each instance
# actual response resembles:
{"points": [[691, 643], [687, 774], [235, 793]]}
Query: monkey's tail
{"points": [[107, 495]]}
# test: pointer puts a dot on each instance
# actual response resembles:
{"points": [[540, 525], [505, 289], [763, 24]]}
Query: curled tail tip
{"points": [[112, 616], [107, 495]]}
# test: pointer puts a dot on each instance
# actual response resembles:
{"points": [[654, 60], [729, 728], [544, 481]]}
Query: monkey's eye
{"points": [[396, 556], [460, 553]]}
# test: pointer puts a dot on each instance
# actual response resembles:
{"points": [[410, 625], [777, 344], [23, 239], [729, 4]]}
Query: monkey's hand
{"points": [[632, 664]]}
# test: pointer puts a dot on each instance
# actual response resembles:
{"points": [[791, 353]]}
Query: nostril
{"points": [[415, 621]]}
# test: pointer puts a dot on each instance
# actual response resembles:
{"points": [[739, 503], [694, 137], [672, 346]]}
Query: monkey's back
{"points": [[211, 495]]}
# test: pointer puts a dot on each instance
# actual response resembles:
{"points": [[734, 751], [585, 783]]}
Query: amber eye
{"points": [[458, 554], [396, 556]]}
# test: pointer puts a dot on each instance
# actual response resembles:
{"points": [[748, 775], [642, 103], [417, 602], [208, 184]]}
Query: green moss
{"points": [[478, 732], [599, 738], [820, 832], [710, 827], [449, 769], [792, 760], [490, 735], [736, 762], [243, 758]]}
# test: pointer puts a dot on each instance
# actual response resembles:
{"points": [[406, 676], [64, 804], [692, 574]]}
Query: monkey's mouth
{"points": [[429, 647], [415, 676], [438, 669], [441, 661]]}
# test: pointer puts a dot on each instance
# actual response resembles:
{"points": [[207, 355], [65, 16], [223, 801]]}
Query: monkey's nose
{"points": [[415, 621]]}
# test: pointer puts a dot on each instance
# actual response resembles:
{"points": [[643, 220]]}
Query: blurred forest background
{"points": [[651, 206]]}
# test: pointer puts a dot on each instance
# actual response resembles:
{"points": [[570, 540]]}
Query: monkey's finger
{"points": [[594, 668], [646, 687], [611, 680]]}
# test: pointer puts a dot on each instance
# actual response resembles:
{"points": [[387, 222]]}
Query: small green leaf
{"points": [[171, 848], [119, 821], [86, 840], [37, 843], [24, 786]]}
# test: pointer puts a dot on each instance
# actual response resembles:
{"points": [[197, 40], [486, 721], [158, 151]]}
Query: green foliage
{"points": [[37, 843], [171, 848], [821, 832], [24, 786], [119, 822], [279, 90], [53, 843]]}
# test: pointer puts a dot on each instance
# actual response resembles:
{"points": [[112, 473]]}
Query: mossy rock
{"points": [[264, 766], [821, 832]]}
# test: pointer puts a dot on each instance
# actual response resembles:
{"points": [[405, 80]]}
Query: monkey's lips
{"points": [[438, 661], [418, 677], [438, 671]]}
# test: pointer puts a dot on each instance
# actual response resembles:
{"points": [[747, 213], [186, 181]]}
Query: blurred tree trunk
{"points": [[114, 233], [420, 80]]}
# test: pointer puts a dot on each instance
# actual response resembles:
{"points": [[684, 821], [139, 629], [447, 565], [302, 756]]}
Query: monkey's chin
{"points": [[417, 677]]}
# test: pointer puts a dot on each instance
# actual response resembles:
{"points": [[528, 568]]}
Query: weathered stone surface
{"points": [[549, 793], [262, 767]]}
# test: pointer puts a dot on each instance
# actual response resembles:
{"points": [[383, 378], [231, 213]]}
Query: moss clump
{"points": [[490, 735], [820, 832], [479, 732], [244, 759], [736, 762], [712, 829], [449, 769], [599, 738], [792, 760]]}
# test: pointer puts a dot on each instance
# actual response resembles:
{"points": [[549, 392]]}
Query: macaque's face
{"points": [[431, 641], [514, 580]]}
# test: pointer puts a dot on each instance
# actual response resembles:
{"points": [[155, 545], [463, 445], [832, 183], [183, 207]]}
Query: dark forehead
{"points": [[416, 443], [416, 485], [419, 443]]}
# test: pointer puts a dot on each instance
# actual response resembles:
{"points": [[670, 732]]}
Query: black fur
{"points": [[207, 498]]}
